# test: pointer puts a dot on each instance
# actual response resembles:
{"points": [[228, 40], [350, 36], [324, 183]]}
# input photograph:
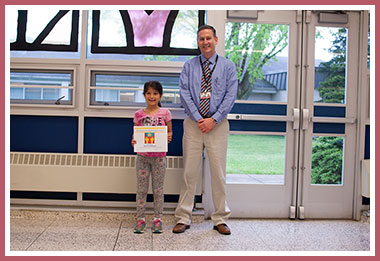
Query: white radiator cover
{"points": [[85, 173]]}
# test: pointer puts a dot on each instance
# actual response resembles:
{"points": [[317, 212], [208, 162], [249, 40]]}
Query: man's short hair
{"points": [[206, 26]]}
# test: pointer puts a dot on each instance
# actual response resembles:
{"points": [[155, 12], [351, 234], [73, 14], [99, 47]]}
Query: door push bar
{"points": [[295, 118], [305, 119]]}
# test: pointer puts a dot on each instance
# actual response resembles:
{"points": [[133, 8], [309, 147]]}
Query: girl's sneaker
{"points": [[157, 226], [140, 227]]}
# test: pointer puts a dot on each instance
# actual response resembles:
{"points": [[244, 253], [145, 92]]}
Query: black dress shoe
{"points": [[223, 229]]}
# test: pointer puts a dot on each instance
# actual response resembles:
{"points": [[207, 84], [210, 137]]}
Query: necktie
{"points": [[204, 104]]}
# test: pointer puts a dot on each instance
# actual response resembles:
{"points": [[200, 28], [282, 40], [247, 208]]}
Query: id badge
{"points": [[205, 95]]}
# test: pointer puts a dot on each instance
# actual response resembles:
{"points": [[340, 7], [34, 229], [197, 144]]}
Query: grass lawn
{"points": [[256, 154]]}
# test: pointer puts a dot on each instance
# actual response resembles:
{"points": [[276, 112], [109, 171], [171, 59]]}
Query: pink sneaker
{"points": [[140, 226], [157, 226]]}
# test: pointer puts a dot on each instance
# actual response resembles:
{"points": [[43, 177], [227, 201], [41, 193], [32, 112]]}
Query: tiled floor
{"points": [[33, 230]]}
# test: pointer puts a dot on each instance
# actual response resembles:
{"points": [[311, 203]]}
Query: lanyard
{"points": [[213, 68]]}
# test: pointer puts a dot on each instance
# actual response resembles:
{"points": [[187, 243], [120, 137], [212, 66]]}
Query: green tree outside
{"points": [[327, 152], [250, 46], [332, 89], [327, 160]]}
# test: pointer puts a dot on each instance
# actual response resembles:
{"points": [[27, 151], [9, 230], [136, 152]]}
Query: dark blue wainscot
{"points": [[51, 134], [114, 135]]}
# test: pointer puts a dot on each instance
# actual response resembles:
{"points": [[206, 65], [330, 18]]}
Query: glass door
{"points": [[264, 123], [291, 150], [329, 109]]}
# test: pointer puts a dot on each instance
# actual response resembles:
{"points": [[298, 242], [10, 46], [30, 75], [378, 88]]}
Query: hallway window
{"points": [[120, 89], [41, 87]]}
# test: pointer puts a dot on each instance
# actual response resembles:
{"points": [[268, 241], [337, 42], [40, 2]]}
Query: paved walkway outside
{"points": [[255, 179]]}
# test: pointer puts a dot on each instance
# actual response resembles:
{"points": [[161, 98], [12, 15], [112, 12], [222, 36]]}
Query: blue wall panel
{"points": [[260, 109], [333, 128], [175, 146], [329, 111], [114, 135], [54, 134], [108, 135], [367, 148], [264, 126]]}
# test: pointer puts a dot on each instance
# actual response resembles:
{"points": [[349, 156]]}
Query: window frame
{"points": [[46, 68], [22, 45], [130, 48], [132, 68], [93, 88]]}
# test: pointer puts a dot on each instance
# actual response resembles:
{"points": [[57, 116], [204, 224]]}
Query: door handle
{"points": [[296, 118], [305, 119]]}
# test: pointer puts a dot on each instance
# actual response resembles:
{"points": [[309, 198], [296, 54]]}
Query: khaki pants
{"points": [[194, 142]]}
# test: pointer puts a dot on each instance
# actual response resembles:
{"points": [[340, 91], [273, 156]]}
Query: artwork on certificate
{"points": [[151, 138]]}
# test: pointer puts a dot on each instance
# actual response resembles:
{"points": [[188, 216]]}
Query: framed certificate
{"points": [[151, 138]]}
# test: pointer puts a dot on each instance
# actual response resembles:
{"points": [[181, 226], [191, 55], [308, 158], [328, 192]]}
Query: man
{"points": [[208, 87]]}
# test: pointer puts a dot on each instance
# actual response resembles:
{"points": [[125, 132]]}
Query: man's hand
{"points": [[206, 125]]}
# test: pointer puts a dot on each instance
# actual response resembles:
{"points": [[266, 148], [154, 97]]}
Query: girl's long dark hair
{"points": [[155, 85]]}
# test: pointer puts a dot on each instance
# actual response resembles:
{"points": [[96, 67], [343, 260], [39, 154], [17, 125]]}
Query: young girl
{"points": [[151, 163]]}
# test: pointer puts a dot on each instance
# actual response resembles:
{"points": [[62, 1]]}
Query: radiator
{"points": [[85, 173]]}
